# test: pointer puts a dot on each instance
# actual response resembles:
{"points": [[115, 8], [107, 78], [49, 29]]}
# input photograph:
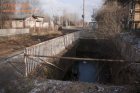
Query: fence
{"points": [[13, 63], [49, 48], [10, 32]]}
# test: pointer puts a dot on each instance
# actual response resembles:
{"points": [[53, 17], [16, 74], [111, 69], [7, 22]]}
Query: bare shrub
{"points": [[110, 19]]}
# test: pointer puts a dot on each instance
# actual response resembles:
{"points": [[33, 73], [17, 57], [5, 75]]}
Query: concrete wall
{"points": [[129, 46], [87, 34], [46, 25], [39, 24], [10, 32]]}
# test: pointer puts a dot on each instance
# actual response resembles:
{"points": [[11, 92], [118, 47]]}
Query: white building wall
{"points": [[39, 24], [17, 24], [45, 25], [30, 22]]}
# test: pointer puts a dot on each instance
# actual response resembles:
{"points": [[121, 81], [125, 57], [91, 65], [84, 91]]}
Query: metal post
{"points": [[83, 13], [26, 65]]}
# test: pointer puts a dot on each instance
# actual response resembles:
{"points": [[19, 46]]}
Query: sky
{"points": [[58, 7]]}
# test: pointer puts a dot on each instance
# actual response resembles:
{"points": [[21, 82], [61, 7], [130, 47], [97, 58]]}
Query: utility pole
{"points": [[83, 16]]}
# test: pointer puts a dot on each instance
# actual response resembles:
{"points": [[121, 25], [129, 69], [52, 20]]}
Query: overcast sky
{"points": [[57, 7]]}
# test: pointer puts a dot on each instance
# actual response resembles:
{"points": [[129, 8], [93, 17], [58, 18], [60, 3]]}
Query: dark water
{"points": [[90, 72], [87, 72]]}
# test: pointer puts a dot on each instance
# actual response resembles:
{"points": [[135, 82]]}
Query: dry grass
{"points": [[43, 32], [54, 33]]}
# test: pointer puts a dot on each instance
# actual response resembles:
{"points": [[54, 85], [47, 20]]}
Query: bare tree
{"points": [[71, 18], [110, 19]]}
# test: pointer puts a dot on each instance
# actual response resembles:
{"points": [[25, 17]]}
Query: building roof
{"points": [[18, 18], [36, 16], [23, 17]]}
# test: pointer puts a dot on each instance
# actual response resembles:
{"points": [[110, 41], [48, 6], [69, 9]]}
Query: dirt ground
{"points": [[54, 86]]}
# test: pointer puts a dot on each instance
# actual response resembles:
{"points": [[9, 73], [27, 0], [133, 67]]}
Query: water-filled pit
{"points": [[93, 71], [103, 72]]}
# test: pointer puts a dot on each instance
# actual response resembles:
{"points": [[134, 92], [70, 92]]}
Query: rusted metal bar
{"points": [[43, 61], [93, 38], [52, 64], [85, 59], [18, 70]]}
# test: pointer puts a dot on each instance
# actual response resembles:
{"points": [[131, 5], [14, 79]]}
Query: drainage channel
{"points": [[93, 71], [80, 63]]}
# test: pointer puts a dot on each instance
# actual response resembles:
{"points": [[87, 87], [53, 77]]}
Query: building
{"points": [[26, 22], [34, 21], [18, 23], [13, 23], [23, 22], [133, 8]]}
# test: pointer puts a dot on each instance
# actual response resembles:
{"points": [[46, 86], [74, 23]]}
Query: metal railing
{"points": [[15, 63], [48, 48]]}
